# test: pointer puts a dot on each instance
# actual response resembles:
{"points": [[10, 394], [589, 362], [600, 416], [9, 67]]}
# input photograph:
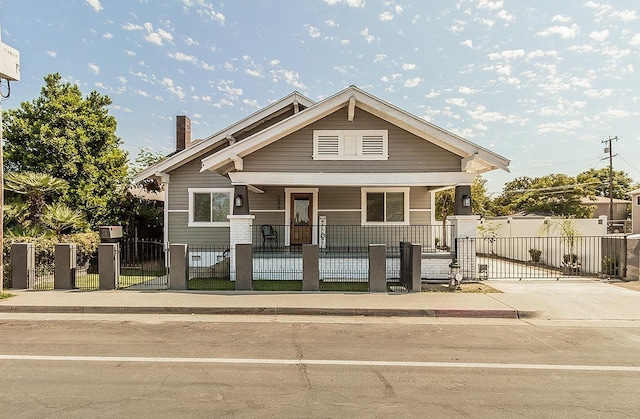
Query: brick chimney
{"points": [[183, 132]]}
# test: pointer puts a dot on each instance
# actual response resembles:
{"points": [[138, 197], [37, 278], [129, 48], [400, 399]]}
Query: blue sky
{"points": [[539, 82]]}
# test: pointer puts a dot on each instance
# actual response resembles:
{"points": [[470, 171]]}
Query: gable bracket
{"points": [[237, 162], [352, 108]]}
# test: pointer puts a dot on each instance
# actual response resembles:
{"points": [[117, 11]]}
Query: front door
{"points": [[301, 218]]}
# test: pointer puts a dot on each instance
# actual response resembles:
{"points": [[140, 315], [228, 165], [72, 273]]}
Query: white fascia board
{"points": [[213, 140], [351, 179]]}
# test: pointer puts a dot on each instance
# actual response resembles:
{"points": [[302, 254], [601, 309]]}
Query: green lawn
{"points": [[4, 295], [219, 284]]}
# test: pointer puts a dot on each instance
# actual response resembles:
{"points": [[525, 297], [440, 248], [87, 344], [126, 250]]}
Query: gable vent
{"points": [[328, 145], [372, 145]]}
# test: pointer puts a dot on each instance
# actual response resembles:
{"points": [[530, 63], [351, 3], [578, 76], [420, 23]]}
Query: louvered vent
{"points": [[328, 145], [372, 145]]}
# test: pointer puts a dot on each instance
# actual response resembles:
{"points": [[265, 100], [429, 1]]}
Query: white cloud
{"points": [[386, 16], [616, 52], [107, 35], [559, 127], [508, 55], [433, 94], [457, 26], [565, 32], [131, 27], [232, 93], [367, 36], [95, 4], [561, 19], [171, 87], [458, 101], [94, 68], [467, 43], [331, 23], [625, 15], [122, 79], [488, 4], [635, 40], [504, 15], [52, 54], [480, 113], [350, 3], [408, 66], [467, 90], [313, 31], [274, 62], [190, 41], [614, 114], [141, 93], [540, 53], [599, 94], [131, 53], [412, 82], [379, 57], [599, 36], [181, 56], [288, 76]]}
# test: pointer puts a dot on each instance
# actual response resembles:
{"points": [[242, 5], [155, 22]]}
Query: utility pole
{"points": [[609, 149]]}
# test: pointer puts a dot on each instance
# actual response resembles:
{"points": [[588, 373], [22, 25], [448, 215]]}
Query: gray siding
{"points": [[407, 152], [181, 179]]}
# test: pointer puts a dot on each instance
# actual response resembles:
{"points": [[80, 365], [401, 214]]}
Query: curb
{"points": [[272, 311]]}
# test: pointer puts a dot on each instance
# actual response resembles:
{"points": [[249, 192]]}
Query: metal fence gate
{"points": [[143, 264], [543, 257]]}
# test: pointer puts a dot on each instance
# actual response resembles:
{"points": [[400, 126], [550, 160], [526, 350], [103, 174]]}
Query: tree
{"points": [[70, 137], [599, 178], [35, 187], [554, 195]]}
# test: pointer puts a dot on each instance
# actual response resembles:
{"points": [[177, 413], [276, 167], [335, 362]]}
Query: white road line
{"points": [[338, 362]]}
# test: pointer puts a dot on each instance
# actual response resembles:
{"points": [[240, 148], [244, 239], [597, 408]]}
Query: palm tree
{"points": [[60, 218], [36, 187]]}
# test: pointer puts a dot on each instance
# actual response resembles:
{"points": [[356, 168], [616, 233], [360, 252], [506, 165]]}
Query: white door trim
{"points": [[287, 213]]}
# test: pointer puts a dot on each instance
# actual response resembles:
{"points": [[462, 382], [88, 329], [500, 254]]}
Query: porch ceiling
{"points": [[351, 179]]}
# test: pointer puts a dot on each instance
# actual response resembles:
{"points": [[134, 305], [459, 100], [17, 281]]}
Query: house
{"points": [[602, 208], [350, 163], [635, 210]]}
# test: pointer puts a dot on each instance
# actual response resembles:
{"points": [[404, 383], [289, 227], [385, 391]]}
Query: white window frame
{"points": [[359, 134], [193, 191], [363, 204]]}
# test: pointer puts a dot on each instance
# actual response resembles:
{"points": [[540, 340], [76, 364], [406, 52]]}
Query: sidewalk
{"points": [[574, 300]]}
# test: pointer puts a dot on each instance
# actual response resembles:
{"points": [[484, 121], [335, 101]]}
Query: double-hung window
{"points": [[385, 206], [350, 145], [209, 207]]}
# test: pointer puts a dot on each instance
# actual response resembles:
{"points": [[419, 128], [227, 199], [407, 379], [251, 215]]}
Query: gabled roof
{"points": [[475, 158], [634, 192], [184, 156], [602, 200]]}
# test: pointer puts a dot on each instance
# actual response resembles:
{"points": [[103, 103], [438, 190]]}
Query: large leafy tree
{"points": [[71, 137], [599, 179], [555, 195]]}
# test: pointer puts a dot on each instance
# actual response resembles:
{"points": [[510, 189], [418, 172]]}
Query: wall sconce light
{"points": [[238, 200], [466, 201]]}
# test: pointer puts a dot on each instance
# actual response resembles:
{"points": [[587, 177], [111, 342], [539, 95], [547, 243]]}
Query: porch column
{"points": [[240, 229], [465, 230]]}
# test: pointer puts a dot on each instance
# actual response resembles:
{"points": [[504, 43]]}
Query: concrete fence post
{"points": [[377, 268], [416, 268], [64, 273], [310, 267], [178, 266], [244, 267], [108, 265], [23, 265]]}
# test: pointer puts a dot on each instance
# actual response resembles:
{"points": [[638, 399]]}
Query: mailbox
{"points": [[110, 233]]}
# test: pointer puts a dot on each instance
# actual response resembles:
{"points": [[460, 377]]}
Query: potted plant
{"points": [[536, 255], [570, 264], [610, 266]]}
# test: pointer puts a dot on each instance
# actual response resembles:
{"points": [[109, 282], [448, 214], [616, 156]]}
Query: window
{"points": [[350, 145], [209, 207], [385, 206], [638, 200]]}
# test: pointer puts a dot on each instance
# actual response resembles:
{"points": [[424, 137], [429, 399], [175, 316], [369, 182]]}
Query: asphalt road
{"points": [[496, 369]]}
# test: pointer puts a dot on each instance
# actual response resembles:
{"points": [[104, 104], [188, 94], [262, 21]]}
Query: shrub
{"points": [[536, 255], [610, 266]]}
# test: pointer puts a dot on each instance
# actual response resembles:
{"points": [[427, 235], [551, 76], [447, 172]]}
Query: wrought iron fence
{"points": [[143, 264], [86, 273], [209, 268], [542, 257], [43, 270]]}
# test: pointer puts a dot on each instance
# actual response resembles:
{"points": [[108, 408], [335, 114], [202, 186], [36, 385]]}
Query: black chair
{"points": [[269, 234]]}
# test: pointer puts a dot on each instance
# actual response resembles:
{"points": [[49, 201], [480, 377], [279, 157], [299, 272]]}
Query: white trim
{"points": [[193, 191], [352, 179], [340, 210], [363, 196], [287, 213], [266, 211], [178, 211], [165, 233]]}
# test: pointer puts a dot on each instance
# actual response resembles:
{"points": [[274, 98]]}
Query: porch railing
{"points": [[351, 238]]}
